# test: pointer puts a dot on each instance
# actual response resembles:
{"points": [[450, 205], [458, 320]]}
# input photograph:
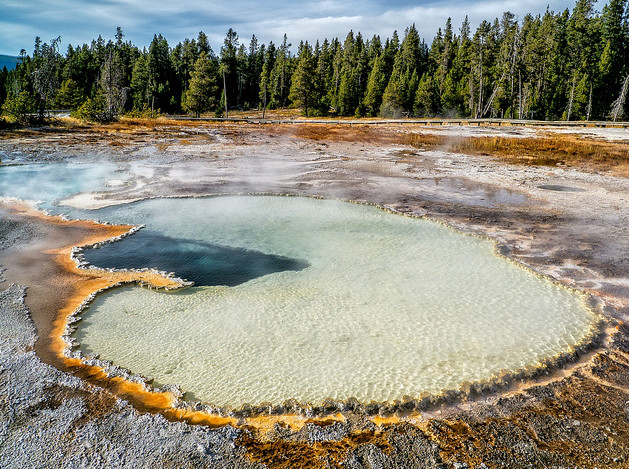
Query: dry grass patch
{"points": [[347, 133], [541, 151]]}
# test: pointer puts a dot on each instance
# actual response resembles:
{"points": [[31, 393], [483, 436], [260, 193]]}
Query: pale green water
{"points": [[389, 306]]}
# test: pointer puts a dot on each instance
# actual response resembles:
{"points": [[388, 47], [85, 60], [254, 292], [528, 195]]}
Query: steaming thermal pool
{"points": [[357, 302]]}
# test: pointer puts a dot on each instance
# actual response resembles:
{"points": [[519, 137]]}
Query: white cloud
{"points": [[79, 21]]}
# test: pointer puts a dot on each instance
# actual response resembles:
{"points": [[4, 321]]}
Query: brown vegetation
{"points": [[551, 150], [558, 150]]}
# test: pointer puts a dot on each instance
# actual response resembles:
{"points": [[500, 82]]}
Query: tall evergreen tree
{"points": [[159, 71], [582, 35], [201, 94], [229, 68], [303, 86], [139, 83], [376, 85], [348, 92], [281, 76], [409, 62], [265, 74]]}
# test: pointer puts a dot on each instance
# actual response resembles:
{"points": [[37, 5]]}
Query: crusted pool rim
{"points": [[596, 338]]}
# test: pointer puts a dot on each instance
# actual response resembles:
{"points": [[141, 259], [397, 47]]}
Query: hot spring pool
{"points": [[337, 300]]}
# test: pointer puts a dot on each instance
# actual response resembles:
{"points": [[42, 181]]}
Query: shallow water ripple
{"points": [[388, 306]]}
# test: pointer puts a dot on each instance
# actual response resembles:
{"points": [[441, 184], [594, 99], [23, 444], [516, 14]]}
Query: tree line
{"points": [[571, 65]]}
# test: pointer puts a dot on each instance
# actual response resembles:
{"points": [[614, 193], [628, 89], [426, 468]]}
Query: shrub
{"points": [[92, 110], [19, 108]]}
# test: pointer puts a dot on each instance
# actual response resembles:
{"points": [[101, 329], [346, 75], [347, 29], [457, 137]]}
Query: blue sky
{"points": [[80, 21]]}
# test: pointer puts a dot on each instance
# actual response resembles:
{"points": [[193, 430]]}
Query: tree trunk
{"points": [[574, 84], [225, 94], [519, 95], [617, 107], [472, 100], [480, 82], [589, 109]]}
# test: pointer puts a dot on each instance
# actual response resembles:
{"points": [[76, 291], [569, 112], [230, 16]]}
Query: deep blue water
{"points": [[203, 263]]}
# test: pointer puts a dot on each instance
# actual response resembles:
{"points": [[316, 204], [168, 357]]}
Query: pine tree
{"points": [[242, 79], [203, 45], [189, 55], [139, 84], [281, 76], [159, 71], [554, 65], [337, 68], [252, 70], [265, 75], [303, 87], [375, 87], [426, 97], [613, 60], [347, 98], [201, 94], [4, 78], [69, 95], [229, 68], [399, 94], [325, 75], [582, 35]]}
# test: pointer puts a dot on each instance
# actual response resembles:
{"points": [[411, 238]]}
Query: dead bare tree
{"points": [[617, 107], [571, 100], [472, 98], [225, 92], [46, 61], [509, 60], [480, 82], [493, 94], [111, 82], [514, 56], [520, 103], [588, 111]]}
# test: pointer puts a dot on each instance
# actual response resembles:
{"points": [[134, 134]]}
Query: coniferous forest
{"points": [[571, 65]]}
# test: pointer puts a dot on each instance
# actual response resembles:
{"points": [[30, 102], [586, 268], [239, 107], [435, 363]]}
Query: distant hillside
{"points": [[8, 61]]}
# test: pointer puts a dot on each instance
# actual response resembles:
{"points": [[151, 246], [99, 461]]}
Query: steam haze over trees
{"points": [[571, 65]]}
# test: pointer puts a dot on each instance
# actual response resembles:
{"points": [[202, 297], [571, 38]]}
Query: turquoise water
{"points": [[387, 306], [47, 183]]}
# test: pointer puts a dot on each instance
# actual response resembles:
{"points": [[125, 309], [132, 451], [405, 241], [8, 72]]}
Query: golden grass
{"points": [[344, 133], [554, 150], [568, 150]]}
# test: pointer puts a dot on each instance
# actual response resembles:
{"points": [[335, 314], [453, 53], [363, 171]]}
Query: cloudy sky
{"points": [[80, 21]]}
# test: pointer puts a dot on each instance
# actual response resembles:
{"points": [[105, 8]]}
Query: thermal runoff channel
{"points": [[313, 299]]}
